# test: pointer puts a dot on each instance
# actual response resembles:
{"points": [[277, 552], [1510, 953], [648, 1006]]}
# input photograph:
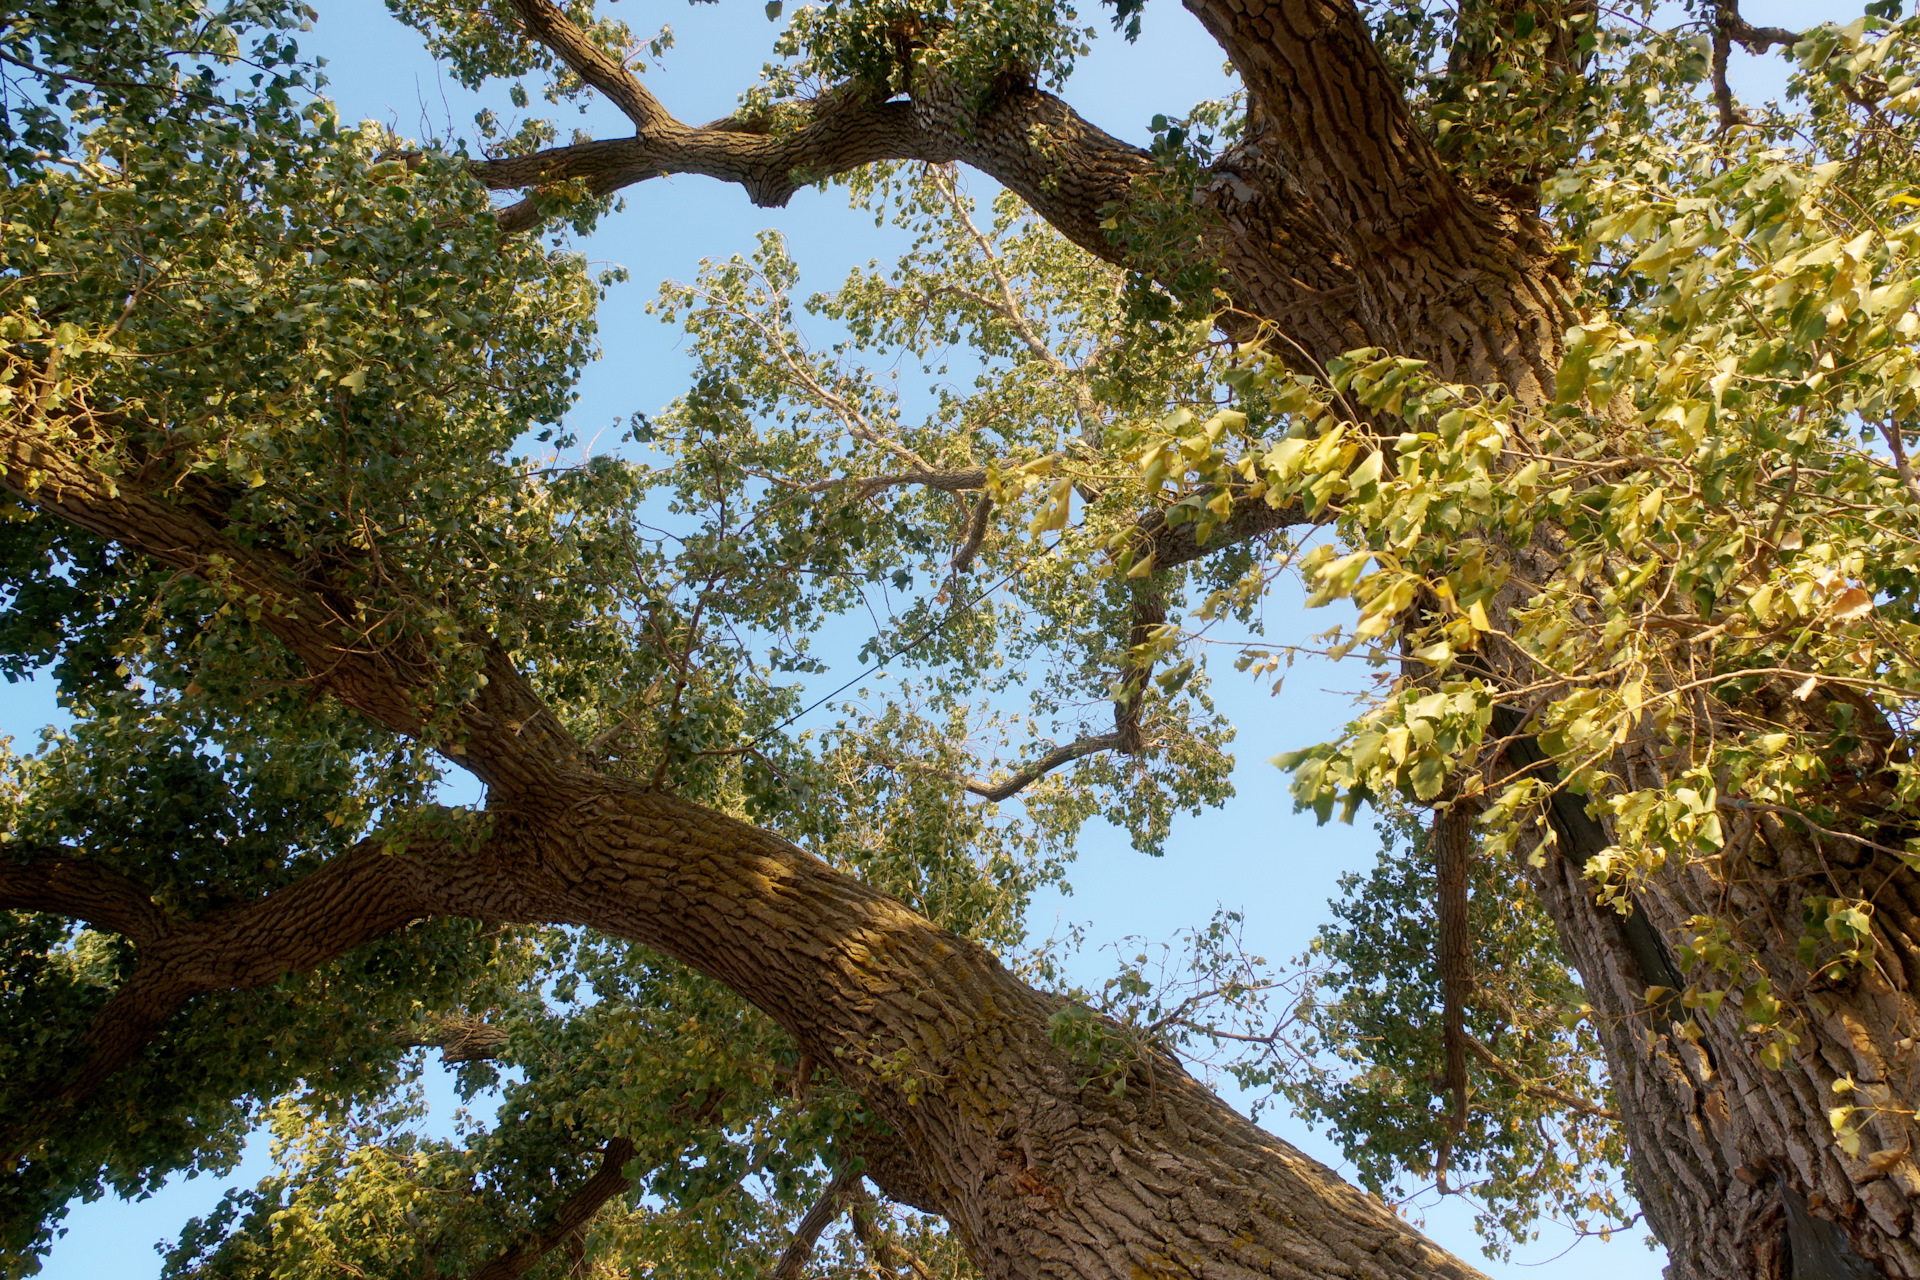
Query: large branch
{"points": [[1171, 545], [1328, 98], [508, 737], [374, 888], [951, 1051], [1081, 179], [570, 1222], [1466, 281], [770, 164], [80, 889]]}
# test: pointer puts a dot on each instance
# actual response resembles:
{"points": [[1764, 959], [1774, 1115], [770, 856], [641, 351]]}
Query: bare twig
{"points": [[1453, 849]]}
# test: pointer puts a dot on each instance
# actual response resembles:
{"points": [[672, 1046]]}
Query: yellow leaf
{"points": [[1849, 604]]}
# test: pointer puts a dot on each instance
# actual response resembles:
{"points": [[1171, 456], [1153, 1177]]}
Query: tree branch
{"points": [[1172, 545], [805, 1236], [546, 23], [977, 525], [1501, 1068], [459, 1039], [1753, 39], [878, 1247], [511, 741], [366, 893], [1030, 141], [1027, 775], [1149, 612], [572, 1218], [82, 889], [943, 481], [1452, 840]]}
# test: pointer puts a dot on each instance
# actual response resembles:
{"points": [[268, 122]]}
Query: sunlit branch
{"points": [[546, 23], [1029, 774]]}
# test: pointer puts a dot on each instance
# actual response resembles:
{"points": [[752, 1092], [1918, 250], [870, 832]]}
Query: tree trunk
{"points": [[1736, 1163], [1122, 1167], [1335, 221]]}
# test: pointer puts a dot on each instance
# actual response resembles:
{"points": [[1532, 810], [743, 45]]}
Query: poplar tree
{"points": [[1589, 386]]}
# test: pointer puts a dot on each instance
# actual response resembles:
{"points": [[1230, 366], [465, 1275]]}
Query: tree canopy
{"points": [[1587, 386]]}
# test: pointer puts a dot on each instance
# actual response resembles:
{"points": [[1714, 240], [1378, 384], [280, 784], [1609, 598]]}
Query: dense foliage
{"points": [[319, 331]]}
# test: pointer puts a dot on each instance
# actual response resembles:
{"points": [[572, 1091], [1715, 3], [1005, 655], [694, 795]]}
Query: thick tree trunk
{"points": [[1336, 222], [1042, 1165], [1736, 1163]]}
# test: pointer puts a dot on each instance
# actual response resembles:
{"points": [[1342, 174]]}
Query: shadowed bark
{"points": [[571, 1221], [1039, 1174], [1335, 223]]}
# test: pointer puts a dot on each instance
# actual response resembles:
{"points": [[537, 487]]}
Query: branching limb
{"points": [[77, 887], [1030, 141], [366, 893], [571, 1221], [1729, 28], [805, 1236], [1336, 109], [1751, 38], [1027, 775]]}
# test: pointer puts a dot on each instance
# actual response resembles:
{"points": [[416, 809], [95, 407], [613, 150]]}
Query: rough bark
{"points": [[1335, 223], [1040, 1173]]}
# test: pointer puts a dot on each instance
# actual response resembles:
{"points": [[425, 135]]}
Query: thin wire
{"points": [[899, 649]]}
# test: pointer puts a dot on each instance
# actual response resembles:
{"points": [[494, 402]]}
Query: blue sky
{"points": [[1255, 855]]}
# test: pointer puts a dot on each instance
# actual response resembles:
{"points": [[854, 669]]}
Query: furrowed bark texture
{"points": [[1041, 1171], [1335, 222]]}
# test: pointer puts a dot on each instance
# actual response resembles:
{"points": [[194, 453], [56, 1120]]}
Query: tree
{"points": [[1590, 386]]}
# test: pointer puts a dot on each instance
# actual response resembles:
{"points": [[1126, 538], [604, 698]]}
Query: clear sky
{"points": [[1255, 855]]}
